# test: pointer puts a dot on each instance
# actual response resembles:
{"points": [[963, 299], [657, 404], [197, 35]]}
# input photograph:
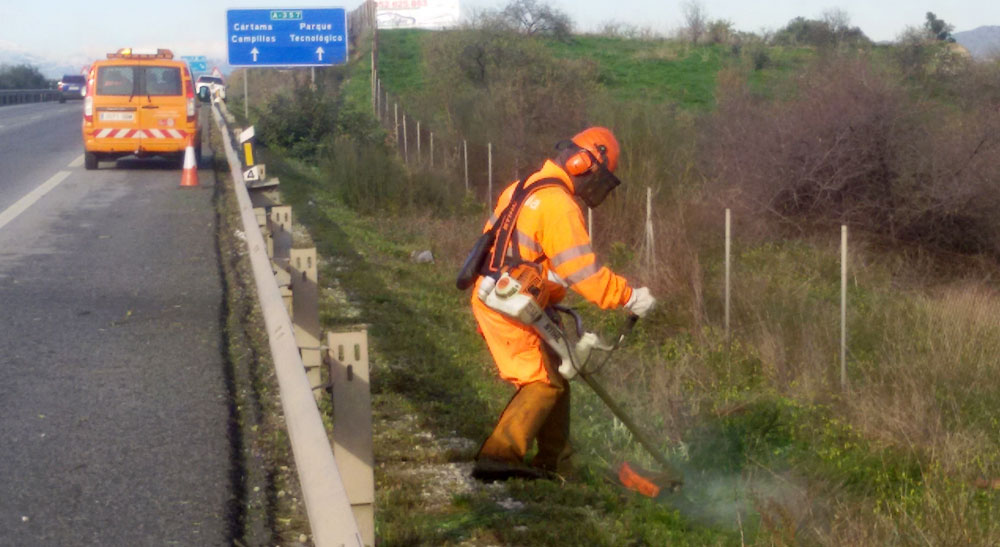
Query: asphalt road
{"points": [[113, 398]]}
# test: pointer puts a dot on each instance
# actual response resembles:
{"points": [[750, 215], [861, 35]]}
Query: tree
{"points": [[720, 31], [697, 21], [531, 18], [838, 21], [938, 28], [22, 77]]}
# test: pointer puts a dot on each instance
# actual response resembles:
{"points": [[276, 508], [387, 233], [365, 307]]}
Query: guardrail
{"points": [[327, 504], [19, 96]]}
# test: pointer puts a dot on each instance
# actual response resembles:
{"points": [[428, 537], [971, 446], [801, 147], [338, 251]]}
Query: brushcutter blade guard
{"points": [[648, 483]]}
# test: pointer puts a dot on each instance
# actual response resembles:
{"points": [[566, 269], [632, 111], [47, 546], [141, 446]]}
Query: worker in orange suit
{"points": [[549, 231]]}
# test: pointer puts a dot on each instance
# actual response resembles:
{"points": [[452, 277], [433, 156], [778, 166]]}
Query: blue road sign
{"points": [[197, 63], [286, 37]]}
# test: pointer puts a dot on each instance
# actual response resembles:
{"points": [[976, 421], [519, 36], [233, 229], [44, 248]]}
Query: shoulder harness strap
{"points": [[505, 250]]}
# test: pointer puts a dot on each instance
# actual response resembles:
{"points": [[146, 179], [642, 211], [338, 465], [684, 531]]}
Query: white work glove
{"points": [[641, 302]]}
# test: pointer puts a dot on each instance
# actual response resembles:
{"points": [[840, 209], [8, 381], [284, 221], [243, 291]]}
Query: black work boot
{"points": [[491, 470]]}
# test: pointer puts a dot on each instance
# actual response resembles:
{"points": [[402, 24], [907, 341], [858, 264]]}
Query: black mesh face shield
{"points": [[594, 187]]}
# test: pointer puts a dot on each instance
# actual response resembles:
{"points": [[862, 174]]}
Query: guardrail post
{"points": [[262, 224], [352, 424], [305, 301], [284, 280], [280, 227]]}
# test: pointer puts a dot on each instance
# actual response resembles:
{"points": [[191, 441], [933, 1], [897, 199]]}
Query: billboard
{"points": [[429, 14]]}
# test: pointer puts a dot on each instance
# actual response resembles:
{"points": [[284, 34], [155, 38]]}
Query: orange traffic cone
{"points": [[190, 174]]}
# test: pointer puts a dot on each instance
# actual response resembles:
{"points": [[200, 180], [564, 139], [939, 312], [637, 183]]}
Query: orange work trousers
{"points": [[539, 410]]}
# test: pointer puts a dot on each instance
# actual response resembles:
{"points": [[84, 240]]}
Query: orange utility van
{"points": [[141, 103]]}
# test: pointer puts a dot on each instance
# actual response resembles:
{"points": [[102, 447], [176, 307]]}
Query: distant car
{"points": [[72, 86], [214, 84]]}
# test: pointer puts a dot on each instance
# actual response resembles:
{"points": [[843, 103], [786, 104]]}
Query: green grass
{"points": [[656, 71], [400, 60], [630, 70]]}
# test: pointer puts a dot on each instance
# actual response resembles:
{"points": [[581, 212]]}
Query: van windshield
{"points": [[139, 80]]}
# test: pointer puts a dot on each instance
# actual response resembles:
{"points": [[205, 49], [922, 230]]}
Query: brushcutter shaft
{"points": [[619, 413]]}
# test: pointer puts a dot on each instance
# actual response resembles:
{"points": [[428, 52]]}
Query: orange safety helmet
{"points": [[601, 145]]}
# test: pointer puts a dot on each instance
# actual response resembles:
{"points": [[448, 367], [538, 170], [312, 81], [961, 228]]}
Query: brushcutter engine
{"points": [[522, 294]]}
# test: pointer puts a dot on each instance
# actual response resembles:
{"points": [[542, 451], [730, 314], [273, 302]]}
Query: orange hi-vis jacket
{"points": [[550, 230]]}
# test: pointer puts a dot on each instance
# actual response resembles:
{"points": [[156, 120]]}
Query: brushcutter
{"points": [[520, 295]]}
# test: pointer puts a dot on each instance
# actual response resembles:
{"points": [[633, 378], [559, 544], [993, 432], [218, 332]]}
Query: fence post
{"points": [[489, 186], [465, 154], [406, 155], [418, 141], [432, 149], [843, 307], [728, 265], [395, 121], [650, 254]]}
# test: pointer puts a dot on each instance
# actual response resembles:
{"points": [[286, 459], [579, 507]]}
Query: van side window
{"points": [[116, 80], [162, 80]]}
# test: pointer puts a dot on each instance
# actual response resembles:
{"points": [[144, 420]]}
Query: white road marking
{"points": [[22, 204], [77, 162]]}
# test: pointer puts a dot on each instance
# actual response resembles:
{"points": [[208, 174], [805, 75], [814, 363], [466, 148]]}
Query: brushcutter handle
{"points": [[631, 321], [626, 329], [572, 313]]}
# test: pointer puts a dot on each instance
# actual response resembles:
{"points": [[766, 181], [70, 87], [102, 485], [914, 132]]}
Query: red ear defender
{"points": [[579, 163]]}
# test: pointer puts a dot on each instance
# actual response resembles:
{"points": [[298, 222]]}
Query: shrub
{"points": [[298, 122], [822, 34], [853, 145], [367, 176]]}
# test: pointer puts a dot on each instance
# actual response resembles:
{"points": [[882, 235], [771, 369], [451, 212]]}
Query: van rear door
{"points": [[116, 116], [162, 107]]}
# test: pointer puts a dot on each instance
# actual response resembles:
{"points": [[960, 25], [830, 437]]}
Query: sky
{"points": [[76, 30]]}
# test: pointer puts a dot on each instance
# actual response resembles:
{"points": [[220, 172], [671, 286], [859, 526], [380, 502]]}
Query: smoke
{"points": [[738, 501]]}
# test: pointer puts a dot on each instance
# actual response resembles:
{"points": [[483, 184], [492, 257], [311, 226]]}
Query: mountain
{"points": [[74, 64], [982, 42], [50, 68]]}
